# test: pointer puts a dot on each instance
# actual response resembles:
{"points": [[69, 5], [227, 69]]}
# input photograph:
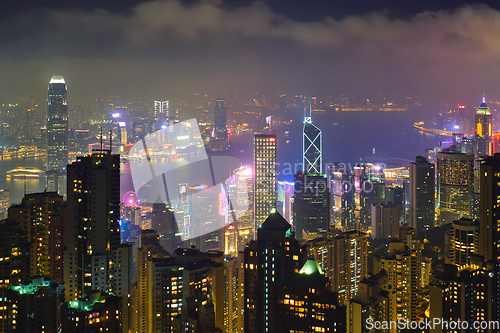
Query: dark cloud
{"points": [[167, 47]]}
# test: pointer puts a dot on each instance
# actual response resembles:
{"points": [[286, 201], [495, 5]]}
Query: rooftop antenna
{"points": [[484, 98]]}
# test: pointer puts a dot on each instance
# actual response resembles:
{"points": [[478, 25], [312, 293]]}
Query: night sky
{"points": [[439, 51]]}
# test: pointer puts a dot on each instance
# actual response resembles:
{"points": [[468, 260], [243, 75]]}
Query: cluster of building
{"points": [[337, 247]]}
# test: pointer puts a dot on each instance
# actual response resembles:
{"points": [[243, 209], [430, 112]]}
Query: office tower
{"points": [[269, 263], [466, 296], [403, 267], [220, 130], [312, 148], [422, 195], [163, 221], [311, 205], [385, 220], [230, 294], [41, 217], [14, 263], [29, 128], [93, 230], [343, 259], [96, 312], [231, 241], [57, 133], [489, 179], [190, 280], [483, 120], [161, 114], [464, 242], [264, 177], [374, 301], [284, 200], [149, 247], [4, 203], [308, 303], [35, 306], [495, 144], [455, 185]]}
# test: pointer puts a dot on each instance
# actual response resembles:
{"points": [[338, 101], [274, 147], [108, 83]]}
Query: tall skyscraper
{"points": [[160, 113], [41, 216], [464, 242], [311, 206], [343, 258], [93, 230], [220, 129], [483, 120], [422, 198], [489, 180], [265, 154], [312, 148], [269, 263], [455, 185], [57, 133], [385, 220]]}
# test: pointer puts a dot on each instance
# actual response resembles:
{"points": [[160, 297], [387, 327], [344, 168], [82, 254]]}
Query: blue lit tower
{"points": [[57, 131], [220, 129], [312, 144]]}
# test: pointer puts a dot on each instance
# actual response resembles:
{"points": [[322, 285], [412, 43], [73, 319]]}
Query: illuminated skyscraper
{"points": [[483, 120], [311, 205], [343, 259], [312, 158], [160, 113], [455, 185], [265, 177], [464, 241], [220, 129], [269, 264], [93, 230], [385, 220], [489, 180], [57, 133], [422, 201]]}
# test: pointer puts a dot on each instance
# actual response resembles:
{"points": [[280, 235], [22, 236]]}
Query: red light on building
{"points": [[272, 139], [461, 106]]}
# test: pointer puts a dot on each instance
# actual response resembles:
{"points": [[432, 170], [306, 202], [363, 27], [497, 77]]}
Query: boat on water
{"points": [[25, 172]]}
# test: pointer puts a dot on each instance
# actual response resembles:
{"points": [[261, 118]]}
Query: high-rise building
{"points": [[385, 220], [308, 302], [149, 247], [95, 312], [15, 263], [220, 129], [93, 230], [464, 242], [466, 297], [285, 199], [163, 221], [312, 148], [265, 154], [269, 263], [311, 205], [160, 114], [403, 267], [455, 185], [35, 306], [374, 301], [489, 180], [422, 195], [57, 133], [483, 120], [42, 217], [343, 259], [4, 203]]}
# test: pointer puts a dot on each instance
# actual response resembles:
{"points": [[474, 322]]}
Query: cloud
{"points": [[428, 51]]}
